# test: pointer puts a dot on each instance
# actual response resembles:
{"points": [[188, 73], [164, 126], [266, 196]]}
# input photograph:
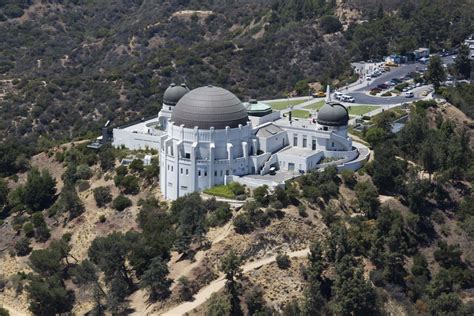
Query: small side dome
{"points": [[174, 93], [257, 108], [333, 114]]}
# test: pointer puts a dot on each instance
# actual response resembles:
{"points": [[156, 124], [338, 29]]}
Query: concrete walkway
{"points": [[205, 293]]}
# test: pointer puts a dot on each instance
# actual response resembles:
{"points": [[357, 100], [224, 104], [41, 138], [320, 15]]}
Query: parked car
{"points": [[396, 80], [382, 86], [337, 95], [319, 94], [368, 78], [348, 98], [409, 95]]}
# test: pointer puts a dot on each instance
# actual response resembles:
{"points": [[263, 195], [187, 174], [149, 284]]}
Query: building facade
{"points": [[207, 137]]}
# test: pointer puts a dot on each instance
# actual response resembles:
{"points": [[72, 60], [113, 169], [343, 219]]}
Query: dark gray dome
{"points": [[208, 107], [333, 114], [173, 93]]}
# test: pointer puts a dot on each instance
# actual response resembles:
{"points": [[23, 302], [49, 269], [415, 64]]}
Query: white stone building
{"points": [[208, 137]]}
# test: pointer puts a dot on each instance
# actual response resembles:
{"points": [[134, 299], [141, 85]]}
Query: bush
{"points": [[4, 312], [29, 230], [121, 202], [283, 261], [22, 247], [130, 185], [137, 165], [348, 177], [237, 188], [83, 172], [302, 210], [102, 218], [243, 224], [220, 216], [82, 185], [102, 196], [330, 24]]}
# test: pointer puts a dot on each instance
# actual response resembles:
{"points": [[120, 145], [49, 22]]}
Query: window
{"points": [[199, 173], [171, 168], [222, 173], [304, 142], [170, 184], [325, 128], [215, 173], [183, 187], [313, 145], [187, 155], [181, 170], [187, 171], [295, 140], [205, 173], [227, 172], [332, 144]]}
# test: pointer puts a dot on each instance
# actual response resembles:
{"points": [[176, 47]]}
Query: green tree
{"points": [[156, 281], [4, 190], [330, 24], [137, 165], [102, 196], [367, 199], [230, 265], [48, 296], [40, 189], [219, 305], [130, 185], [4, 312], [435, 72], [352, 294], [121, 202], [261, 195], [22, 247], [314, 302], [463, 65], [254, 300]]}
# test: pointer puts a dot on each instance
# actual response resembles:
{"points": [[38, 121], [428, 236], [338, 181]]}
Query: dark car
{"points": [[382, 86], [396, 80]]}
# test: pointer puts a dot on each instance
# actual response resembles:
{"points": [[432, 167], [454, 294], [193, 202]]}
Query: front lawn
{"points": [[361, 109], [221, 190], [315, 106], [300, 113], [281, 105]]}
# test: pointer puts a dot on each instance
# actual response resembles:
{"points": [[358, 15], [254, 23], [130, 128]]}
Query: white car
{"points": [[348, 98], [337, 95], [409, 95]]}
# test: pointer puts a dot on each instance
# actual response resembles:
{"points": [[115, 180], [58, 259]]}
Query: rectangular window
{"points": [[205, 173], [227, 172], [187, 171], [183, 187], [295, 140], [332, 144], [313, 146], [181, 170], [187, 155], [222, 173], [215, 173], [199, 173], [304, 142], [171, 168], [170, 184]]}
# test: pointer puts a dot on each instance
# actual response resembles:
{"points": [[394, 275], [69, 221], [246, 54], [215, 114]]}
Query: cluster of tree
{"points": [[316, 185], [415, 24]]}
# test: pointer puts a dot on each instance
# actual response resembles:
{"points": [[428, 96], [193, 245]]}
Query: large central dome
{"points": [[208, 107]]}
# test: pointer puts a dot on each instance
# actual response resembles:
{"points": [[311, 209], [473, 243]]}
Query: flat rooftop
{"points": [[298, 151], [279, 176], [143, 127]]}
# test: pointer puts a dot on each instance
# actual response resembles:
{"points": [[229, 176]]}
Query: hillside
{"points": [[69, 66], [396, 235]]}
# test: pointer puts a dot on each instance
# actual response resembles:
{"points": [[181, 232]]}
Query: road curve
{"points": [[205, 293]]}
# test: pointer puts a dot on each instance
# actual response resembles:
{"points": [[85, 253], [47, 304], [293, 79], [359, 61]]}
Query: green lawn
{"points": [[281, 105], [221, 190], [300, 113], [315, 105], [362, 109]]}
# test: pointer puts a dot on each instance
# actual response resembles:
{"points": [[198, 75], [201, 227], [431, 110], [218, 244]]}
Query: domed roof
{"points": [[257, 108], [208, 107], [173, 93], [333, 114]]}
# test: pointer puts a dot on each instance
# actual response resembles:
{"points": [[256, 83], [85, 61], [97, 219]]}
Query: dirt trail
{"points": [[12, 311], [138, 300], [205, 293]]}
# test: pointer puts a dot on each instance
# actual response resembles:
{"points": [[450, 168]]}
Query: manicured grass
{"points": [[300, 113], [315, 106], [281, 105], [221, 190], [361, 109]]}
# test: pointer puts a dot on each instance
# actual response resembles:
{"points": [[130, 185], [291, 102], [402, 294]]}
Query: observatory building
{"points": [[207, 137]]}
